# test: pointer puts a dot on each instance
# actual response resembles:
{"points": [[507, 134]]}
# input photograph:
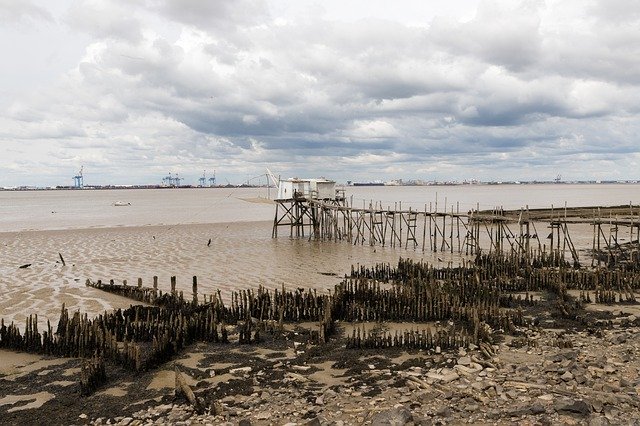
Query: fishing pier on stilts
{"points": [[527, 233]]}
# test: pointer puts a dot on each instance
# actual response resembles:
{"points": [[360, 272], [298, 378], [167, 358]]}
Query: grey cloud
{"points": [[497, 35], [12, 12], [213, 15], [105, 20], [616, 11]]}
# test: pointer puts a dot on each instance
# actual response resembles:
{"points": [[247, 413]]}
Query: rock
{"points": [[493, 414], [83, 416], [537, 409], [240, 370], [301, 367], [566, 376], [263, 416], [229, 400], [396, 417], [126, 421], [574, 406], [244, 422], [329, 393], [465, 360], [597, 405], [160, 409], [296, 377], [513, 394], [313, 422], [444, 412], [450, 377], [598, 421]]}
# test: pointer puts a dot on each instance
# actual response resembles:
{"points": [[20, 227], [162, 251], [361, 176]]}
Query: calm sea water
{"points": [[46, 210]]}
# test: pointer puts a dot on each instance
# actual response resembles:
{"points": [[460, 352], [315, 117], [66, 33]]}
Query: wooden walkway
{"points": [[521, 232]]}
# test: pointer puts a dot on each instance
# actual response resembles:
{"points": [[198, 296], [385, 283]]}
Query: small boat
{"points": [[121, 203]]}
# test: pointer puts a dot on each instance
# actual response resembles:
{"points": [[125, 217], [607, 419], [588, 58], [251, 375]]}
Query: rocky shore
{"points": [[541, 376]]}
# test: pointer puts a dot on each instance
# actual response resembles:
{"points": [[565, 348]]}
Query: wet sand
{"points": [[241, 255]]}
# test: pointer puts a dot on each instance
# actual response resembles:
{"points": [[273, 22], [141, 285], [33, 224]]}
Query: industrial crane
{"points": [[78, 180]]}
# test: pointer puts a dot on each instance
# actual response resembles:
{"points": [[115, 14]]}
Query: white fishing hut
{"points": [[314, 189]]}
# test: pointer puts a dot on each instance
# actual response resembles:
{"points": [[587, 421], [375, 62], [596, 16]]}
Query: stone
{"points": [[598, 421], [444, 412], [296, 377], [567, 376], [513, 394], [126, 421], [574, 406], [301, 367], [597, 405], [244, 422], [465, 360], [537, 409], [240, 370]]}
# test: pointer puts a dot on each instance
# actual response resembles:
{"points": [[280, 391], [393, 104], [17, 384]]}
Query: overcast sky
{"points": [[371, 89]]}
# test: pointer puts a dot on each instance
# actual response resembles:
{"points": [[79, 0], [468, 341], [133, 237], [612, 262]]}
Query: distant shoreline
{"points": [[501, 183]]}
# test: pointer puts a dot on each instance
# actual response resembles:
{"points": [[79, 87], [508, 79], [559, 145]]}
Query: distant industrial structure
{"points": [[202, 181], [171, 181], [78, 180]]}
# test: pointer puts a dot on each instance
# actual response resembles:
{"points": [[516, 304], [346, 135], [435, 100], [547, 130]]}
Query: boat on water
{"points": [[121, 203]]}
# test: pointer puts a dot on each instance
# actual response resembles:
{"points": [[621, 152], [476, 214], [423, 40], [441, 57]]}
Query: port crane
{"points": [[171, 180], [78, 180]]}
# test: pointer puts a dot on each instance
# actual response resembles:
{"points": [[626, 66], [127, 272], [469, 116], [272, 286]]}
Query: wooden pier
{"points": [[520, 232]]}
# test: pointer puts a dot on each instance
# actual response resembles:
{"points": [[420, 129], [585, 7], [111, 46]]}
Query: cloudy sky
{"points": [[349, 89]]}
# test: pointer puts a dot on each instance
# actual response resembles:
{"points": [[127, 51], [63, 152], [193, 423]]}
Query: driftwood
{"points": [[62, 259], [25, 266], [183, 388]]}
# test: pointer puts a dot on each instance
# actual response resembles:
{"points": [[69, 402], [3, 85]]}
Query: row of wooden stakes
{"points": [[409, 339], [509, 273]]}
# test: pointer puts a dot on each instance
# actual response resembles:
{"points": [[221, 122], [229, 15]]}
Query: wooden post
{"points": [[195, 290]]}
